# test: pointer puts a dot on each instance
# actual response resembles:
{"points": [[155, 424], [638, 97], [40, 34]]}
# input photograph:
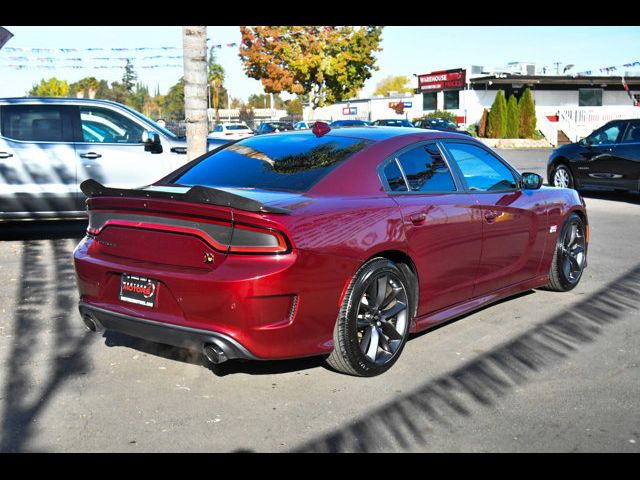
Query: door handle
{"points": [[417, 218], [491, 215], [91, 155], [5, 154]]}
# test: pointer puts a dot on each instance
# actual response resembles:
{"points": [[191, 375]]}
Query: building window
{"points": [[429, 101], [590, 97], [452, 99]]}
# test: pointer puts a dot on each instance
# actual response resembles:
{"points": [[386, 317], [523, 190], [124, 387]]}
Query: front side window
{"points": [[426, 171], [292, 163], [34, 123], [606, 135], [481, 170], [100, 125]]}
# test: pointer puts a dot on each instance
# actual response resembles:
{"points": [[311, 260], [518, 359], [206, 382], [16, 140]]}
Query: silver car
{"points": [[48, 146]]}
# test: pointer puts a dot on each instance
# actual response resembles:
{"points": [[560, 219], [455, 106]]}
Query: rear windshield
{"points": [[288, 162], [237, 127]]}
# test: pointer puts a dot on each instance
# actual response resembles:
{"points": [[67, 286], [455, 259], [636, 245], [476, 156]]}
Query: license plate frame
{"points": [[138, 290]]}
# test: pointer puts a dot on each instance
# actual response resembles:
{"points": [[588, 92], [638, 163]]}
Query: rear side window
{"points": [[426, 171], [289, 162], [394, 177], [36, 123]]}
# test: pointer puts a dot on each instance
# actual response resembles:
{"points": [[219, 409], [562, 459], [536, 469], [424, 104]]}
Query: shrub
{"points": [[497, 124], [442, 114], [482, 126], [527, 115], [513, 118]]}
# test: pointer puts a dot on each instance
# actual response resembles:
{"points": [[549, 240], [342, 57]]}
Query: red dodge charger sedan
{"points": [[336, 242]]}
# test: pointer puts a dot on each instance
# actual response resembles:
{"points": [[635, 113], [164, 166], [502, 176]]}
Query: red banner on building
{"points": [[442, 80]]}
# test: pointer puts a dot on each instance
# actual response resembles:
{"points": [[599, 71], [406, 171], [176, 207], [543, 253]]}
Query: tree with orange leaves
{"points": [[329, 64]]}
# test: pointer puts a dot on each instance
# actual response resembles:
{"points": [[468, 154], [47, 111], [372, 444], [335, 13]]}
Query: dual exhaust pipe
{"points": [[213, 352]]}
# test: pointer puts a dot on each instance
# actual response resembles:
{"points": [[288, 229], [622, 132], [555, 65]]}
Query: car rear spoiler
{"points": [[196, 194]]}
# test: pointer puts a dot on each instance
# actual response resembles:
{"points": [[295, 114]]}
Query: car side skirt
{"points": [[431, 319]]}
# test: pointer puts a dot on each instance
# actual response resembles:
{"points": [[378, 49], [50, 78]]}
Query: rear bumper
{"points": [[176, 335]]}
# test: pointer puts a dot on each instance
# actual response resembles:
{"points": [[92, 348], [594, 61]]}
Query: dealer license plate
{"points": [[139, 290]]}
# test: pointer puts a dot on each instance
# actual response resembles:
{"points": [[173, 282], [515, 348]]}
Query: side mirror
{"points": [[531, 181], [151, 141]]}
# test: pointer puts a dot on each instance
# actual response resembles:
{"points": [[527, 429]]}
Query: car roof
{"points": [[57, 100], [378, 134]]}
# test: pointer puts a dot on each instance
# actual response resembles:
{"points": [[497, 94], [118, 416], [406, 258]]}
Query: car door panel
{"points": [[37, 165], [514, 228]]}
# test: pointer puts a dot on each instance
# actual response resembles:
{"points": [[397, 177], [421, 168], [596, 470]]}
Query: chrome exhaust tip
{"points": [[90, 322], [214, 353]]}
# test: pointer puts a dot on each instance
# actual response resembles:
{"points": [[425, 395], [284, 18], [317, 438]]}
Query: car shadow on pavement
{"points": [[628, 197], [45, 309], [406, 422], [43, 230], [195, 357]]}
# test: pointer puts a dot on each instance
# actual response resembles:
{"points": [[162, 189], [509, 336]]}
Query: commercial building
{"points": [[567, 106]]}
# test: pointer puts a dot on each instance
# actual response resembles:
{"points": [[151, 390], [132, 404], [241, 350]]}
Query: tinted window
{"points": [[429, 101], [481, 170], [426, 170], [100, 125], [292, 162], [590, 97], [394, 177], [237, 127], [39, 123], [452, 100], [606, 135], [633, 134]]}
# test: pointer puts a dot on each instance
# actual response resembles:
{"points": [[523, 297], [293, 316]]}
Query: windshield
{"points": [[288, 162]]}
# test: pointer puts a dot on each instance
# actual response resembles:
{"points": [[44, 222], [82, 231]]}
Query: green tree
{"points": [[497, 122], [392, 83], [444, 114], [527, 115], [129, 77], [329, 63], [138, 97], [513, 117], [216, 77], [50, 88], [294, 107], [173, 105]]}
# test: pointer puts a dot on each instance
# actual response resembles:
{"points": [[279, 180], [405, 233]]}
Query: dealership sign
{"points": [[350, 111], [442, 80]]}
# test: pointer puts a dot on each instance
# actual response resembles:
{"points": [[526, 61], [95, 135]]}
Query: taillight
{"points": [[251, 239]]}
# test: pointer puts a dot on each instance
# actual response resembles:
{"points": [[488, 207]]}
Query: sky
{"points": [[406, 51]]}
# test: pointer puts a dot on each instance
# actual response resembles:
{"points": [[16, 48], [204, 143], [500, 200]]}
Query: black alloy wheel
{"points": [[570, 255], [373, 323]]}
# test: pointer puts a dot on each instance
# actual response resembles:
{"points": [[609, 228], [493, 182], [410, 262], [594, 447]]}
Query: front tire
{"points": [[570, 255], [562, 177], [374, 319]]}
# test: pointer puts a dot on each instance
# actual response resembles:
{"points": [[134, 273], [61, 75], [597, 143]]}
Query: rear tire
{"points": [[374, 319], [569, 257]]}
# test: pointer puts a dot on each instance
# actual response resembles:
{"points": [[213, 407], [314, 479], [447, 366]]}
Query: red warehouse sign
{"points": [[442, 80]]}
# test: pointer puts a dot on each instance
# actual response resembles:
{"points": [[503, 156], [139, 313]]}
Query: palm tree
{"points": [[216, 80], [194, 46]]}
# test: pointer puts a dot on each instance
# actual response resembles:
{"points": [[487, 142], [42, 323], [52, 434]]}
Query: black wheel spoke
{"points": [[390, 331], [380, 291], [384, 343], [393, 294], [395, 310]]}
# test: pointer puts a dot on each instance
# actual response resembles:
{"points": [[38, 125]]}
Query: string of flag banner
{"points": [[27, 58], [610, 69]]}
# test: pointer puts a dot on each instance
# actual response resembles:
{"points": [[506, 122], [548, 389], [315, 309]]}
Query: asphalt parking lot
{"points": [[543, 372]]}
